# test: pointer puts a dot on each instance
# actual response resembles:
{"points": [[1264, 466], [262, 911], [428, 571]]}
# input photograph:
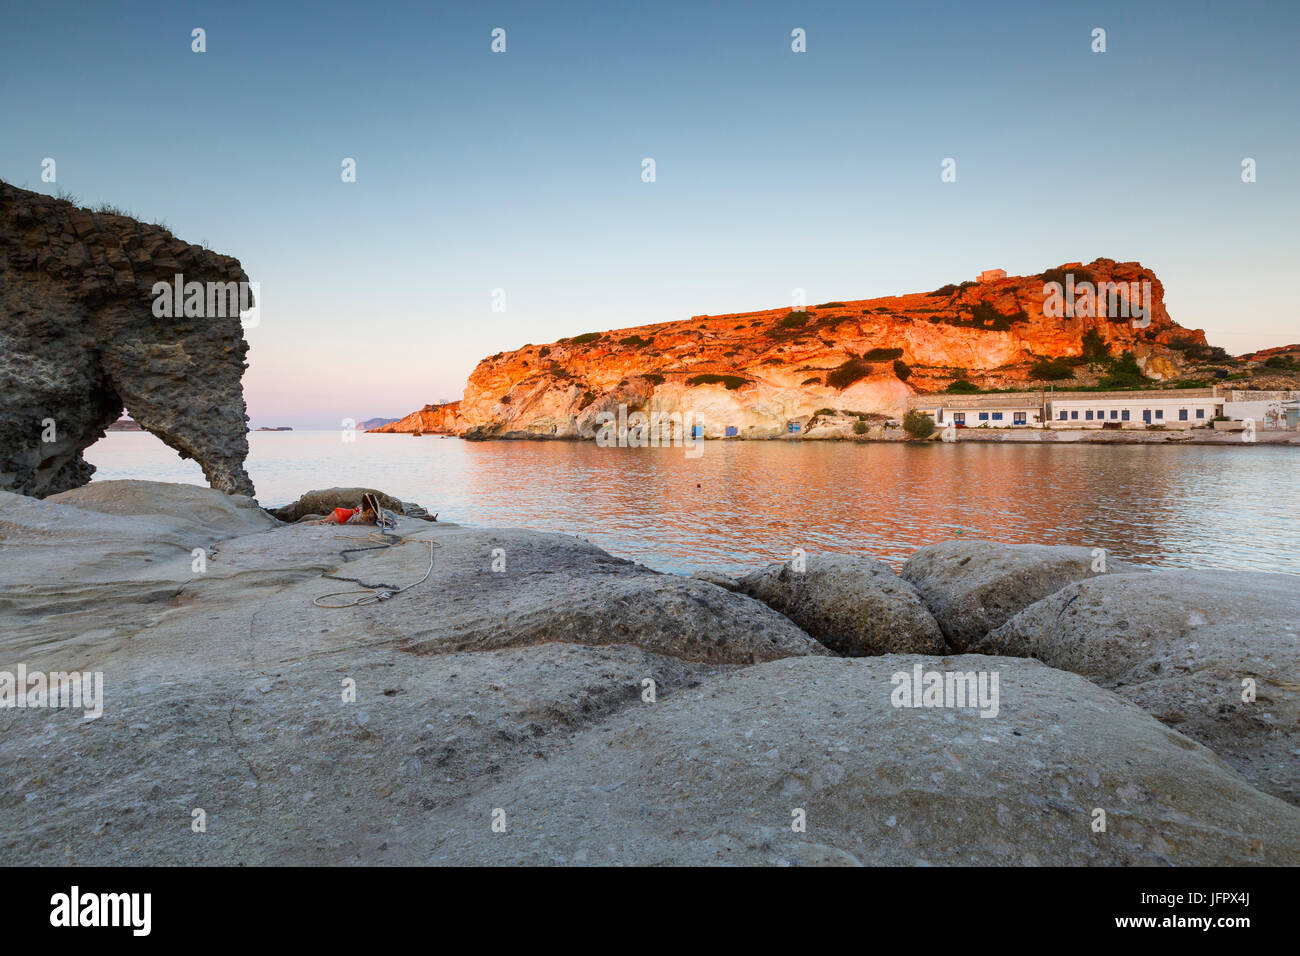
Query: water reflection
{"points": [[742, 503]]}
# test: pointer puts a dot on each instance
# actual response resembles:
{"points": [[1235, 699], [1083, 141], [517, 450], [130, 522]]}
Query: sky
{"points": [[521, 171]]}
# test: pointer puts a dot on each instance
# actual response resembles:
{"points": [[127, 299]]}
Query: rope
{"points": [[373, 595]]}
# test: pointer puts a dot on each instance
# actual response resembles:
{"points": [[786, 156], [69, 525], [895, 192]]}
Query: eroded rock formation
{"points": [[620, 716], [80, 341], [757, 371]]}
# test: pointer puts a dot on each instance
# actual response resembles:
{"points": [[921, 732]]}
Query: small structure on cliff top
{"points": [[988, 275]]}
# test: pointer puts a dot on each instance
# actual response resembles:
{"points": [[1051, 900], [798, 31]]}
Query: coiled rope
{"points": [[373, 595]]}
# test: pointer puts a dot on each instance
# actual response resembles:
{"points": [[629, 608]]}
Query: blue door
{"points": [[1146, 415]]}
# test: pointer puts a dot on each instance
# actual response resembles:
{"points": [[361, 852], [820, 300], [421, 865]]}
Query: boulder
{"points": [[324, 501], [718, 578], [203, 511], [855, 605], [552, 587], [1181, 644], [722, 772], [972, 586]]}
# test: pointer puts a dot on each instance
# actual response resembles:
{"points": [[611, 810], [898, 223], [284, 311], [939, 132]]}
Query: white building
{"points": [[992, 410], [1173, 408], [1267, 409]]}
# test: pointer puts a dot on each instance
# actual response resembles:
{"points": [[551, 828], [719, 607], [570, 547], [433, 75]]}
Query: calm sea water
{"points": [[742, 504]]}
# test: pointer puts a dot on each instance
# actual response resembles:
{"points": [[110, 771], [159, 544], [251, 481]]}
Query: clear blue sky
{"points": [[776, 170]]}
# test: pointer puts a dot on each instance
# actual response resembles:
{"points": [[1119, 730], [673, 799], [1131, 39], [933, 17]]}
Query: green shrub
{"points": [[1124, 373], [859, 428], [635, 340], [848, 373], [1095, 348], [985, 316], [1206, 353], [1051, 369], [961, 387], [811, 381], [1058, 275], [794, 320], [945, 290], [544, 351], [902, 370], [918, 424], [830, 305], [732, 382], [824, 411], [585, 338], [882, 355], [1280, 361], [654, 378]]}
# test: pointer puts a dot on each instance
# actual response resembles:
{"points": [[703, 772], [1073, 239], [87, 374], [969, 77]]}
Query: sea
{"points": [[741, 504]]}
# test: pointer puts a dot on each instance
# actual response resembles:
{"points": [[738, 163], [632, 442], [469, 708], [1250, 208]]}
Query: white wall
{"points": [[1168, 406]]}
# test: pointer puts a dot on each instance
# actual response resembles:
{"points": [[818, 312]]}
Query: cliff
{"points": [[431, 418], [80, 341], [757, 371]]}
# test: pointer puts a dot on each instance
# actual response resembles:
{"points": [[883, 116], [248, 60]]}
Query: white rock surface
{"points": [[1182, 645]]}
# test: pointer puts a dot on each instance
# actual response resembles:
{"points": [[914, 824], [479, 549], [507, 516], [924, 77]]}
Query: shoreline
{"points": [[1051, 436]]}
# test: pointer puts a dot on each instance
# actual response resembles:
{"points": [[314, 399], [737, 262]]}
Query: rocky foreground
{"points": [[536, 700]]}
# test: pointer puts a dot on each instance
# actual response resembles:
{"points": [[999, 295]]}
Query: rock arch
{"points": [[79, 341]]}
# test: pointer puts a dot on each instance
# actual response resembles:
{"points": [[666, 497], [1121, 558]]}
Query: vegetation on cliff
{"points": [[779, 365]]}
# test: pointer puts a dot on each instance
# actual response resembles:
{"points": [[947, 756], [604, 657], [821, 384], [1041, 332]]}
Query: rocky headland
{"points": [[858, 359], [535, 699]]}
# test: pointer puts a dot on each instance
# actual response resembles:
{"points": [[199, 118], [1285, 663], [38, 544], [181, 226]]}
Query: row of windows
{"points": [[1122, 414], [1017, 418]]}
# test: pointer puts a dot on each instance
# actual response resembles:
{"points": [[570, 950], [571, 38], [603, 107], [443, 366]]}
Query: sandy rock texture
{"points": [[855, 605], [80, 341], [1180, 644], [715, 774], [973, 586], [601, 712]]}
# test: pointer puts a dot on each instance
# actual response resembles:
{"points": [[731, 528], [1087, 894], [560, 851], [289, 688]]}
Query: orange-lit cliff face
{"points": [[757, 371]]}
